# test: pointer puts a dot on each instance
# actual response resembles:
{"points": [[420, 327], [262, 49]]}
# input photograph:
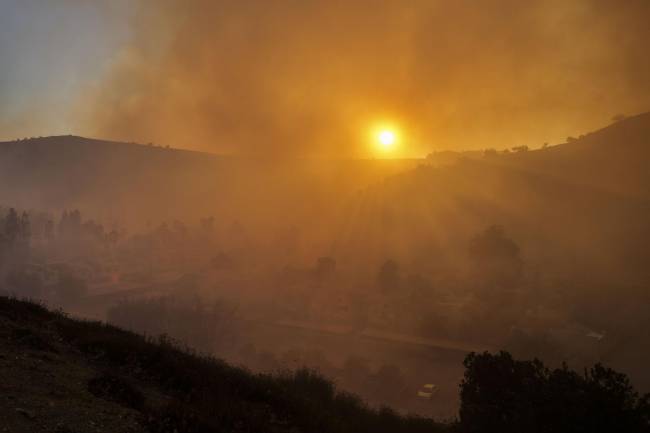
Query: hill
{"points": [[614, 158], [577, 215], [137, 183], [580, 205], [603, 173], [63, 375]]}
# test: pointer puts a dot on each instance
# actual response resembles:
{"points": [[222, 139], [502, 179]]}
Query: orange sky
{"points": [[309, 77]]}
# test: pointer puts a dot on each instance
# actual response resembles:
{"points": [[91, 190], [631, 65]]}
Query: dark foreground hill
{"points": [[67, 376]]}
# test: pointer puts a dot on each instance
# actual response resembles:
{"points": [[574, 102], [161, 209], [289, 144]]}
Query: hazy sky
{"points": [[312, 77], [49, 51]]}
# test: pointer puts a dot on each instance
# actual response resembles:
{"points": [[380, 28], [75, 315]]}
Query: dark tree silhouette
{"points": [[501, 394], [70, 223], [325, 268], [496, 258], [48, 230], [25, 227], [12, 226], [388, 276], [207, 225]]}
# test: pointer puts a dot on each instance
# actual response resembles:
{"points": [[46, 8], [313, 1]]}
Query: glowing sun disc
{"points": [[386, 138]]}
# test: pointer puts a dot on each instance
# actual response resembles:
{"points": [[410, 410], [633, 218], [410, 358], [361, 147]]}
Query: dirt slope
{"points": [[67, 376]]}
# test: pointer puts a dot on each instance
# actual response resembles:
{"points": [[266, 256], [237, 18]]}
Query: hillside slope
{"points": [[614, 159], [145, 183], [62, 375], [581, 206]]}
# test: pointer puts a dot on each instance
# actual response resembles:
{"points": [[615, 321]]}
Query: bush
{"points": [[501, 394]]}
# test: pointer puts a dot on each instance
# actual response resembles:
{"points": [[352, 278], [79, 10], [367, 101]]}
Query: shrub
{"points": [[501, 394]]}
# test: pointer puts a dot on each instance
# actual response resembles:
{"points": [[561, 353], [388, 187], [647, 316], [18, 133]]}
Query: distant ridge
{"points": [[40, 143], [139, 182], [142, 183], [615, 158]]}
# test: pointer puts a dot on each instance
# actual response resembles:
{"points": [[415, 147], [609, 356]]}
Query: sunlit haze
{"points": [[300, 216], [304, 78], [386, 139]]}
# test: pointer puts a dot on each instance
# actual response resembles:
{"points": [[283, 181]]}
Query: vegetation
{"points": [[204, 394], [523, 251], [501, 394]]}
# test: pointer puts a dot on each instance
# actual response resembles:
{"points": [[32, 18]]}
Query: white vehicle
{"points": [[428, 391]]}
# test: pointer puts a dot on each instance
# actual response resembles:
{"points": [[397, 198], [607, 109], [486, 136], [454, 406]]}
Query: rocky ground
{"points": [[46, 385]]}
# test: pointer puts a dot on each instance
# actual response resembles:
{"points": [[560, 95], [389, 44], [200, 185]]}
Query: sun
{"points": [[386, 138]]}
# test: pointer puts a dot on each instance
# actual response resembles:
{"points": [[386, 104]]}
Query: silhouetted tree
{"points": [[325, 268], [75, 219], [12, 226], [207, 224], [113, 237], [3, 249], [222, 261], [490, 153], [496, 258], [179, 229], [388, 276], [63, 222], [93, 230], [48, 230], [70, 223], [501, 394], [25, 227]]}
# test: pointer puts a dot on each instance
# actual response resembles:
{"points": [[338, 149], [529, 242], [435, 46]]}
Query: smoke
{"points": [[310, 77]]}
